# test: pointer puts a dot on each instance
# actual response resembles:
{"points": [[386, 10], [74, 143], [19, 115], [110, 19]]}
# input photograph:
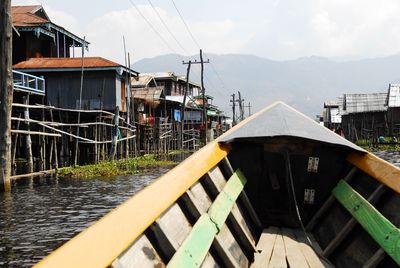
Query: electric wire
{"points": [[152, 27], [184, 22], [212, 87], [167, 28], [197, 43]]}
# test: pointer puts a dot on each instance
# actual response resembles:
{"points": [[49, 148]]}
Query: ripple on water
{"points": [[37, 218]]}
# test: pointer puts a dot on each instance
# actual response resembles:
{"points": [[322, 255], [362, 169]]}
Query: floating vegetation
{"points": [[114, 168]]}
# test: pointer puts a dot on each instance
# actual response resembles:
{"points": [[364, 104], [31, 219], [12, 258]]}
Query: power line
{"points": [[187, 27], [166, 27], [213, 87], [199, 47], [151, 26]]}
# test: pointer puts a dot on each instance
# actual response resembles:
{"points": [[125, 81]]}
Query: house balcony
{"points": [[28, 83]]}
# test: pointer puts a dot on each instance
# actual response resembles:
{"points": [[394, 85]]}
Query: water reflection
{"points": [[41, 214]]}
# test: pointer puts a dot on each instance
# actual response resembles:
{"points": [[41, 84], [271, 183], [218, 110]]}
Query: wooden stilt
{"points": [[14, 150], [28, 140], [114, 143], [55, 163]]}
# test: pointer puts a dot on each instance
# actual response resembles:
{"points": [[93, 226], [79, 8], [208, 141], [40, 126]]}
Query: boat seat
{"points": [[284, 247]]}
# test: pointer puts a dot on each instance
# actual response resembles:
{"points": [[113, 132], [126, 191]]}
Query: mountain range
{"points": [[304, 83]]}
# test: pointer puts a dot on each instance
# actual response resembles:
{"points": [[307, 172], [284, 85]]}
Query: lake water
{"points": [[41, 214]]}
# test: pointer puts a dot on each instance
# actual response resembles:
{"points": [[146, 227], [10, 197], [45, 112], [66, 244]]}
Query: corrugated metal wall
{"points": [[99, 89]]}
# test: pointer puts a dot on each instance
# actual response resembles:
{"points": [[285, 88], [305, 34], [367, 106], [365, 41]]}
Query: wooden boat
{"points": [[277, 190]]}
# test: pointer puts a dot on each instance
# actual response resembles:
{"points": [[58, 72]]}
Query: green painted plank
{"points": [[224, 202], [386, 234], [196, 245]]}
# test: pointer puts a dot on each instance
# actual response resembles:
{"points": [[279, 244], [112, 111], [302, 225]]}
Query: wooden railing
{"points": [[28, 82]]}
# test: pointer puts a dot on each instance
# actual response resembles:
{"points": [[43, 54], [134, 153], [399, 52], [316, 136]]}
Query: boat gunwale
{"points": [[101, 243]]}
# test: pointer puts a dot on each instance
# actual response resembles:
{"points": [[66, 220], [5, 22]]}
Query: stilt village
{"points": [[69, 109], [368, 117]]}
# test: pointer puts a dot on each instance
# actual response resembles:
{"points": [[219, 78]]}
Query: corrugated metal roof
{"points": [[393, 96], [35, 18], [362, 103], [55, 63], [170, 75], [142, 81], [162, 75], [149, 94], [331, 103], [27, 16]]}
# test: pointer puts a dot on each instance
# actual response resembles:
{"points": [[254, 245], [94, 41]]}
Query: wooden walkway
{"points": [[283, 247]]}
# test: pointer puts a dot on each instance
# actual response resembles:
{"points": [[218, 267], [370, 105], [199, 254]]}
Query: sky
{"points": [[274, 29]]}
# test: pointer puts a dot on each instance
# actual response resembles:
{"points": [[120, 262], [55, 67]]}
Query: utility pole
{"points": [[240, 101], [233, 109], [127, 97], [6, 93], [189, 64], [203, 91], [249, 106], [132, 107]]}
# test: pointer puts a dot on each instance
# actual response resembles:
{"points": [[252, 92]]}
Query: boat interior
{"points": [[243, 201]]}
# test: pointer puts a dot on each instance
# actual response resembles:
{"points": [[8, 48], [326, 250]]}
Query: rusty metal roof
{"points": [[55, 63], [148, 94], [141, 81], [23, 16], [34, 18]]}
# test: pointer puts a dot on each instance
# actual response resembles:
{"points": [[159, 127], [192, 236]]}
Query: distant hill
{"points": [[304, 83]]}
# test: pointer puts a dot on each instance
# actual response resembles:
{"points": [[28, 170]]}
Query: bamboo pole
{"points": [[14, 150], [55, 165], [6, 93], [28, 140], [80, 105], [114, 141], [39, 133], [44, 172]]}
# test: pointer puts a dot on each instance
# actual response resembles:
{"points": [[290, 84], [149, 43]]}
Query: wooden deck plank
{"points": [[267, 239], [385, 233], [278, 258], [294, 255], [311, 256], [265, 246]]}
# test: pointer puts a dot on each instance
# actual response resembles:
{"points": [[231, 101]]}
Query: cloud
{"points": [[274, 29], [143, 42]]}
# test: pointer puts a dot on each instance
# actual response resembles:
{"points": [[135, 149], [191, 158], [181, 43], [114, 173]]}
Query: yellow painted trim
{"points": [[100, 244], [377, 168]]}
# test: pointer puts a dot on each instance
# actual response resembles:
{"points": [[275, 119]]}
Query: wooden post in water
{"points": [[28, 140], [6, 93], [55, 162], [183, 104], [14, 149], [80, 103], [114, 138]]}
